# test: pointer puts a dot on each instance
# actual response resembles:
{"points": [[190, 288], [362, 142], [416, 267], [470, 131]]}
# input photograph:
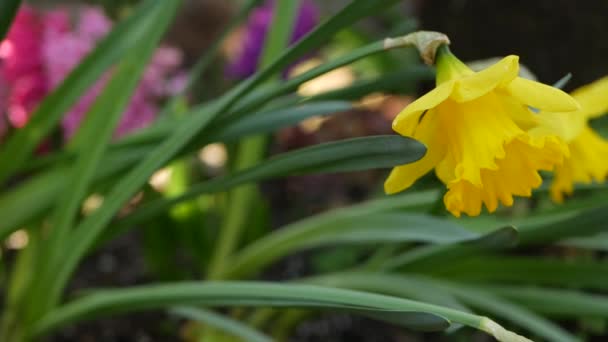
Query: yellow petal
{"points": [[593, 98], [523, 116], [402, 177], [567, 125], [516, 175], [475, 133], [479, 84], [541, 96], [406, 122], [562, 183], [587, 163]]}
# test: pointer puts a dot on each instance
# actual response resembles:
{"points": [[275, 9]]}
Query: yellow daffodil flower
{"points": [[588, 159], [482, 139]]}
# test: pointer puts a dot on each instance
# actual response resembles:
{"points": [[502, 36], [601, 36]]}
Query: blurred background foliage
{"points": [[500, 274]]}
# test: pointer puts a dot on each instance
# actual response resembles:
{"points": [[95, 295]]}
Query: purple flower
{"points": [[247, 59]]}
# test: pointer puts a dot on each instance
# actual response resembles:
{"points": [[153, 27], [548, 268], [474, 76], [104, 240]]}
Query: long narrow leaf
{"points": [[555, 302], [214, 294], [431, 256], [342, 156], [36, 195], [406, 286], [98, 128], [586, 223], [303, 234], [577, 273], [486, 301]]}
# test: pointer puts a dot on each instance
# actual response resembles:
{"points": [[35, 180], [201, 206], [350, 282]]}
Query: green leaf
{"points": [[37, 194], [270, 121], [96, 132], [577, 273], [224, 323], [408, 313], [303, 235], [264, 121], [31, 199], [588, 222], [555, 302], [373, 152], [406, 286], [8, 10], [101, 120], [19, 146], [431, 256], [393, 227], [479, 298], [259, 98], [341, 156], [393, 83]]}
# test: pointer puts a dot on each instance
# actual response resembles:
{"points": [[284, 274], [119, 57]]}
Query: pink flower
{"points": [[41, 50], [22, 67], [63, 50]]}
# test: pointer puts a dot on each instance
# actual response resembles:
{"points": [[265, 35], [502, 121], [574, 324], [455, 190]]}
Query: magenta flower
{"points": [[22, 67], [246, 62], [41, 49]]}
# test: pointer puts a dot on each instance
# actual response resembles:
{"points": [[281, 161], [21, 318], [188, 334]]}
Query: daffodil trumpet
{"points": [[483, 140]]}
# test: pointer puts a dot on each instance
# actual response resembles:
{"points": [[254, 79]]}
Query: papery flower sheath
{"points": [[482, 138], [588, 160]]}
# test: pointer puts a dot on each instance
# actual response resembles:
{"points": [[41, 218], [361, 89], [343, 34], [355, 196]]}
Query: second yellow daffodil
{"points": [[588, 159], [482, 138]]}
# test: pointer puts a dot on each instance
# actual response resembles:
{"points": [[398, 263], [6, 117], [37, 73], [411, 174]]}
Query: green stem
{"points": [[251, 150], [11, 325], [237, 214], [389, 284]]}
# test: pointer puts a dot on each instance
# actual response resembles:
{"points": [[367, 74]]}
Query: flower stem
{"points": [[251, 150]]}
